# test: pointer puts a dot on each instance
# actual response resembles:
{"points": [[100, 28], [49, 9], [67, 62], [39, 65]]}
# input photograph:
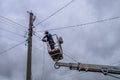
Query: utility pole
{"points": [[29, 54]]}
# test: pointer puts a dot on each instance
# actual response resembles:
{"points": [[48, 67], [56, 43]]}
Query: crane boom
{"points": [[105, 69]]}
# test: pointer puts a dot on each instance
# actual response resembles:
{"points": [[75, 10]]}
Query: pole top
{"points": [[30, 12]]}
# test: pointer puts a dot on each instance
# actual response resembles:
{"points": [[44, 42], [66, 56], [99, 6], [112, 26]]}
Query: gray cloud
{"points": [[96, 43]]}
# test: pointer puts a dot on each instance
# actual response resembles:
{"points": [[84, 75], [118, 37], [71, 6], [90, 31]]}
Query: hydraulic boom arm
{"points": [[105, 69]]}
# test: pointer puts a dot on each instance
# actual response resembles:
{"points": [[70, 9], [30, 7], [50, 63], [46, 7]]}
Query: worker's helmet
{"points": [[46, 32]]}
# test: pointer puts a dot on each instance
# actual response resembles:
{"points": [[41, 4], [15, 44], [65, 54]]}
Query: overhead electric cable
{"points": [[38, 36], [113, 76], [73, 75], [11, 47], [43, 66], [117, 62], [13, 22], [54, 13], [70, 56], [84, 24], [11, 32], [4, 22]]}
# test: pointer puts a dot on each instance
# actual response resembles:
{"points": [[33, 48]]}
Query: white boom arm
{"points": [[105, 69]]}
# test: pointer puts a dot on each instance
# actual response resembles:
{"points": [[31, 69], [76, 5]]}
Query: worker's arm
{"points": [[44, 39]]}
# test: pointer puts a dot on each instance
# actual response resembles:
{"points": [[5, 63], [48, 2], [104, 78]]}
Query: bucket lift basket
{"points": [[57, 53]]}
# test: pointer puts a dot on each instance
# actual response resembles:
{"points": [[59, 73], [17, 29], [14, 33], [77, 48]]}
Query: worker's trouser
{"points": [[52, 44]]}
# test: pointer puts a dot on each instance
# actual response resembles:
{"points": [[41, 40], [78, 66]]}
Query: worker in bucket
{"points": [[48, 37]]}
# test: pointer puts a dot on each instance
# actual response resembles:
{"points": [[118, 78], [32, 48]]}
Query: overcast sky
{"points": [[97, 43]]}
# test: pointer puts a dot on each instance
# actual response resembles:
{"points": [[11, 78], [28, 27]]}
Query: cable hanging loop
{"points": [[86, 68], [105, 71], [56, 66], [79, 66]]}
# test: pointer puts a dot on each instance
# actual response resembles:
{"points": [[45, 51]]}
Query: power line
{"points": [[13, 22], [11, 32], [113, 76], [11, 48], [84, 24], [38, 35], [70, 56], [37, 42], [43, 66], [54, 13], [118, 62], [73, 75], [4, 22]]}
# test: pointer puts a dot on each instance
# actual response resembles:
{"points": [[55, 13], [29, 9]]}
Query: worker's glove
{"points": [[44, 40]]}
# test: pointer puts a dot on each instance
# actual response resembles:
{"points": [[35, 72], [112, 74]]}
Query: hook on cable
{"points": [[56, 66]]}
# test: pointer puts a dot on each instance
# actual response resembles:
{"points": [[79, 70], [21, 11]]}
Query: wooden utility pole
{"points": [[29, 55]]}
